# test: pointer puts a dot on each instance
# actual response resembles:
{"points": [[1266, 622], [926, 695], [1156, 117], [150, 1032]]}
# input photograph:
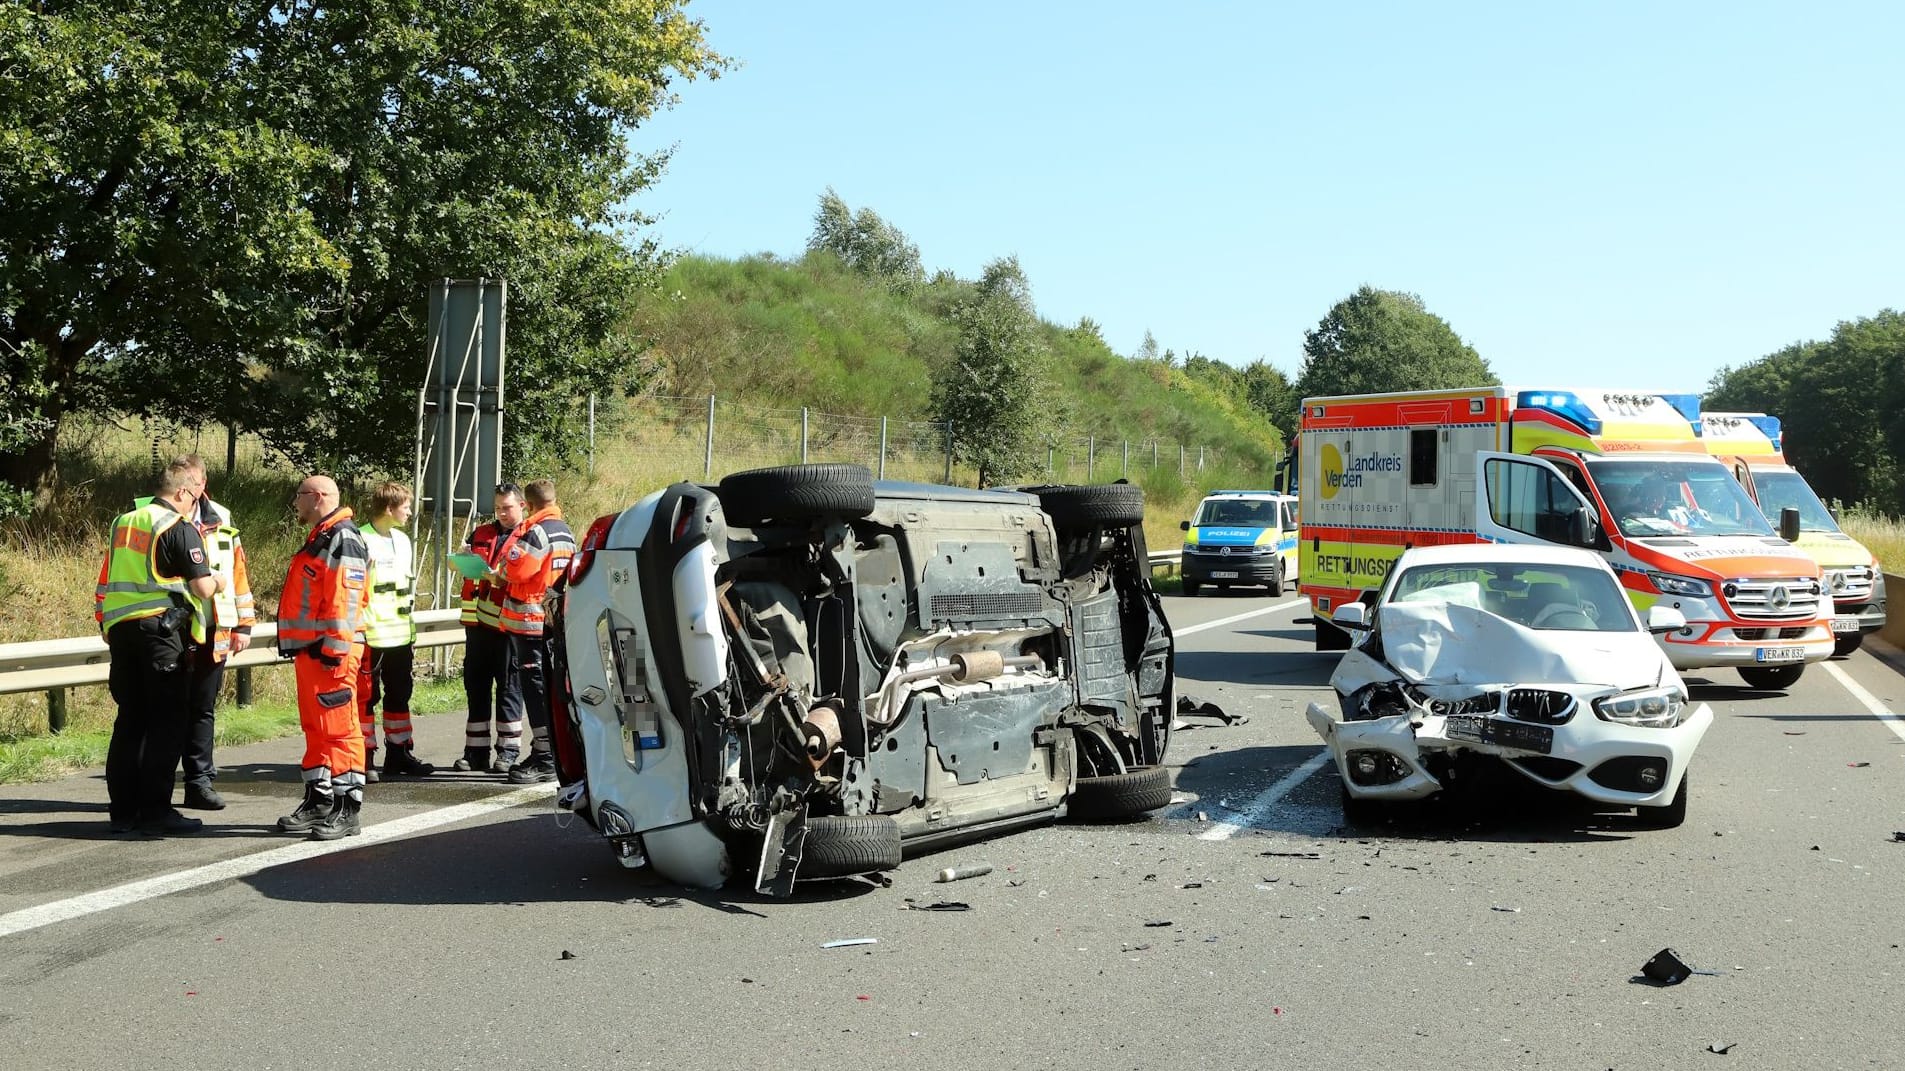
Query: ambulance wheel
{"points": [[796, 493], [1331, 638], [1191, 587], [1845, 645], [1099, 505], [1771, 678], [1276, 579]]}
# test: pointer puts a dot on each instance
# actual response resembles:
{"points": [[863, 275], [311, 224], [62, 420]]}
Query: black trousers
{"points": [[528, 659], [208, 676], [493, 692], [149, 732]]}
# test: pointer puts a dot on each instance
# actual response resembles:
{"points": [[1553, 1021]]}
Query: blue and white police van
{"points": [[1240, 538]]}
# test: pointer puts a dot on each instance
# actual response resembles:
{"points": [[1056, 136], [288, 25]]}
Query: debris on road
{"points": [[1509, 910], [1856, 765], [1666, 968], [1898, 834], [940, 905], [1721, 1049], [1192, 885], [961, 873], [849, 942], [1157, 923], [1292, 855], [566, 954], [1191, 706]]}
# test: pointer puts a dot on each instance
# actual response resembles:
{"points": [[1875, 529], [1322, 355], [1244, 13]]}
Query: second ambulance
{"points": [[1624, 474]]}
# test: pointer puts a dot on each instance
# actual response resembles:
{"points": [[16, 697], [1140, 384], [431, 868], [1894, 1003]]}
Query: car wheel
{"points": [[841, 846], [1331, 638], [1276, 579], [1122, 795], [1771, 678], [1669, 817], [1192, 587], [1097, 505], [1845, 645], [1359, 812], [796, 493]]}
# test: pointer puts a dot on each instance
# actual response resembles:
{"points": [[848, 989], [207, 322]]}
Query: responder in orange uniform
{"points": [[488, 684], [321, 626], [535, 562], [233, 617]]}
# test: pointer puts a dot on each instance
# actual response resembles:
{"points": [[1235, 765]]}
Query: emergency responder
{"points": [[390, 636], [232, 619], [488, 684], [153, 573], [533, 566], [321, 626]]}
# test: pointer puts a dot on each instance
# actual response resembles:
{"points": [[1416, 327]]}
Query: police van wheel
{"points": [[1192, 587], [796, 493], [1098, 505], [1276, 579]]}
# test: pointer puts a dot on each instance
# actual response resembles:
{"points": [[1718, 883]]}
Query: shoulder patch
{"points": [[354, 574], [198, 556]]}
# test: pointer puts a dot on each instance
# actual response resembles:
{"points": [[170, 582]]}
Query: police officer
{"points": [[321, 627], [232, 619], [145, 604], [489, 686], [390, 636], [533, 566]]}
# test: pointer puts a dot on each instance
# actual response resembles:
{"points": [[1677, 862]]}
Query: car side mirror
{"points": [[1183, 526], [1353, 616], [1789, 524], [1586, 532], [1664, 619]]}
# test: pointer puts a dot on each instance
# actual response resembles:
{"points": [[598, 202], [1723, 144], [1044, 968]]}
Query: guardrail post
{"points": [[243, 686], [1124, 468], [56, 710], [949, 451], [1091, 458]]}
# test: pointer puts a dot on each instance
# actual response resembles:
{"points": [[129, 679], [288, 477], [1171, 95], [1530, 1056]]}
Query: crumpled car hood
{"points": [[1434, 643]]}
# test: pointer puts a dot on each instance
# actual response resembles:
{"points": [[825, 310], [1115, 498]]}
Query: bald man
{"points": [[321, 627]]}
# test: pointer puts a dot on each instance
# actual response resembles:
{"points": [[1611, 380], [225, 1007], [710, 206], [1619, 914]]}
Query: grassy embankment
{"points": [[1883, 536], [766, 336]]}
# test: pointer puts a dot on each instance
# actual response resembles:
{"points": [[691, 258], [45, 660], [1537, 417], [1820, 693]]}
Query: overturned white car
{"points": [[1532, 657]]}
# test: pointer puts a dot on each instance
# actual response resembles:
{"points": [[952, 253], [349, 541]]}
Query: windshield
{"points": [[1561, 598], [1782, 489], [1669, 498], [1243, 512]]}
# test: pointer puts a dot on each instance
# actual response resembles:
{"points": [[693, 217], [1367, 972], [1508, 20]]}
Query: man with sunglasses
{"points": [[150, 605], [232, 619]]}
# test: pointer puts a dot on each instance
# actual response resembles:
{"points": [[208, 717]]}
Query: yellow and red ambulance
{"points": [[1752, 445], [1622, 473]]}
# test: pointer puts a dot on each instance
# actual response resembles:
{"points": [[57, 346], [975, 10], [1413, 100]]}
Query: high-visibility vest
{"points": [[322, 604], [528, 560], [387, 620], [481, 603], [130, 584]]}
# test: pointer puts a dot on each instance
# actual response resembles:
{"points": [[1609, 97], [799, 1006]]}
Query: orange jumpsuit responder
{"points": [[534, 563], [320, 624]]}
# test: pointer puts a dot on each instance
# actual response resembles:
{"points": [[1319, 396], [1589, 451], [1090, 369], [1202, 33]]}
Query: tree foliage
{"points": [[1382, 340], [866, 243], [993, 390], [216, 210]]}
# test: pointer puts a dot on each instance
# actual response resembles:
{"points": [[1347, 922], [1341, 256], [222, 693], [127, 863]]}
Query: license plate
{"points": [[1845, 624], [1501, 731], [1780, 654], [1221, 575]]}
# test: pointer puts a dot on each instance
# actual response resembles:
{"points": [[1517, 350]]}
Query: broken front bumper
{"points": [[1601, 760]]}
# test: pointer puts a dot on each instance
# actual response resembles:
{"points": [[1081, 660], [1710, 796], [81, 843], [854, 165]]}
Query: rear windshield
{"points": [[1243, 512]]}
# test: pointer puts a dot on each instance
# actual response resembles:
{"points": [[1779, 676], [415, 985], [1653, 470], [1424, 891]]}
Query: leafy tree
{"points": [[1385, 340], [213, 208], [1758, 386], [993, 390], [866, 243], [1270, 392]]}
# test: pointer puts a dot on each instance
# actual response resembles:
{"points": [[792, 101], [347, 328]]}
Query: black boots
{"points": [[403, 762], [343, 821], [310, 814]]}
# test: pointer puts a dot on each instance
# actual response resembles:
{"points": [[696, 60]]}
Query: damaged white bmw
{"points": [[1527, 657]]}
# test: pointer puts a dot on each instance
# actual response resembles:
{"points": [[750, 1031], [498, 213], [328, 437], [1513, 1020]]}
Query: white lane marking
{"points": [[1233, 619], [1260, 806], [1886, 718], [32, 918]]}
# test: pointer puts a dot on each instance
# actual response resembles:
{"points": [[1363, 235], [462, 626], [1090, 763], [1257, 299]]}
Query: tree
{"points": [[866, 243], [992, 392], [213, 207], [1385, 340], [1270, 392]]}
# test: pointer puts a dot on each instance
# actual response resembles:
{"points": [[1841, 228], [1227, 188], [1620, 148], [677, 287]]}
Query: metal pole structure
{"points": [[1091, 458], [1154, 453], [949, 450], [591, 434], [882, 448], [707, 462], [1051, 461], [803, 435], [1200, 459]]}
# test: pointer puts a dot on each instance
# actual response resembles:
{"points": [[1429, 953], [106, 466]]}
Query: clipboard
{"points": [[470, 566]]}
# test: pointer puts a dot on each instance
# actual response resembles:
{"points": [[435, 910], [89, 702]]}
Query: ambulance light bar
{"points": [[1561, 404]]}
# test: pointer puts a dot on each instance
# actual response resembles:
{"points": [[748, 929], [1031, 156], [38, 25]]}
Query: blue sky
{"points": [[1615, 194]]}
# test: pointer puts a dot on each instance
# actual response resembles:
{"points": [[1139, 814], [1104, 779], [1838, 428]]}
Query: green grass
{"points": [[1883, 536], [43, 757]]}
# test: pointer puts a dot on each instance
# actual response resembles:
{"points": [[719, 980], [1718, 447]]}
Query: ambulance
{"points": [[1238, 538], [1752, 445], [1622, 473]]}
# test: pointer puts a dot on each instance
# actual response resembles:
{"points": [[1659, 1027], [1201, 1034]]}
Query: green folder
{"points": [[472, 566]]}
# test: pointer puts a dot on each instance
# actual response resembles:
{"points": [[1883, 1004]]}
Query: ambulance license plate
{"points": [[1780, 654], [1845, 624], [1220, 575]]}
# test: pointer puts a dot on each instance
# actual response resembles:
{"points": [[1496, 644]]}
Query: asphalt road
{"points": [[1243, 928]]}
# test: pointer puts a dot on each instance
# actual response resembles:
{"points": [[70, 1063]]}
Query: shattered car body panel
{"points": [[802, 695], [1589, 706]]}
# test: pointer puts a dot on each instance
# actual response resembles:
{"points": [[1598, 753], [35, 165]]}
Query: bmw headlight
{"points": [[1681, 585], [1655, 708]]}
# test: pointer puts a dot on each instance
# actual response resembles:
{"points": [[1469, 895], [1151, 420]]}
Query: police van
{"points": [[1241, 537]]}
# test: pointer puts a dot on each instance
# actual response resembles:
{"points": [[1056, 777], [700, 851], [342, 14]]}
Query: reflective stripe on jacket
{"points": [[480, 603], [387, 620], [528, 561], [130, 586], [322, 605]]}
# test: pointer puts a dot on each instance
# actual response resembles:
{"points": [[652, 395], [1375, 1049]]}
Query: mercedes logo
{"points": [[1838, 581], [1779, 598]]}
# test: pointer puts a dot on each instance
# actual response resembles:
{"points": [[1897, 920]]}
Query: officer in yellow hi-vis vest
{"points": [[390, 636], [148, 605]]}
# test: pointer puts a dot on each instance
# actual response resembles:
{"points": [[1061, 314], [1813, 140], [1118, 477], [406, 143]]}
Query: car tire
{"points": [[1331, 638], [1276, 579], [1845, 645], [1122, 795], [796, 493], [1360, 812], [1771, 678], [1078, 507], [842, 846], [1192, 587], [1672, 816]]}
